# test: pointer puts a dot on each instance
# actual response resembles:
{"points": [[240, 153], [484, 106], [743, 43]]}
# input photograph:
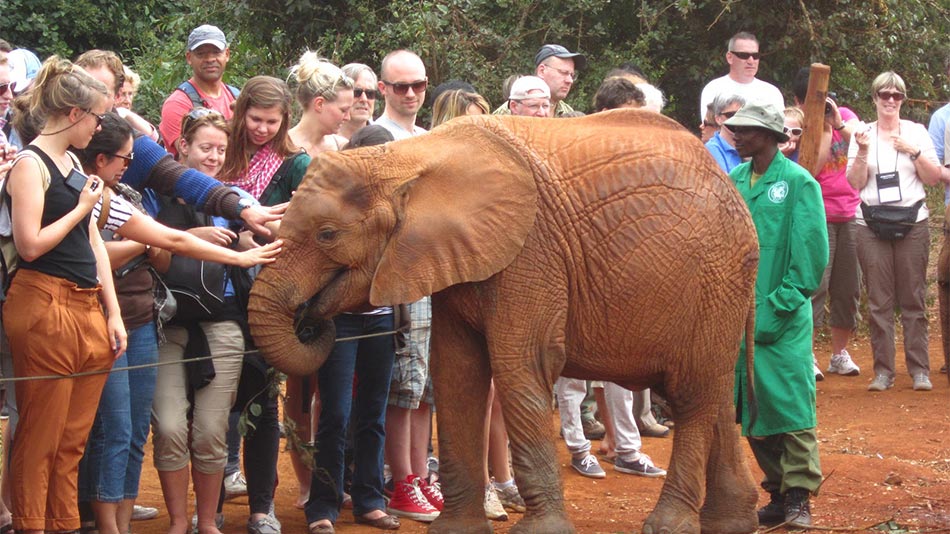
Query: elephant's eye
{"points": [[327, 235]]}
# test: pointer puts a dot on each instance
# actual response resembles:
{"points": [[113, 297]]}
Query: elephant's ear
{"points": [[463, 217]]}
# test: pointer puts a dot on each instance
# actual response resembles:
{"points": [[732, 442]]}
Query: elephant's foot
{"points": [[732, 513], [460, 525], [539, 523], [666, 519]]}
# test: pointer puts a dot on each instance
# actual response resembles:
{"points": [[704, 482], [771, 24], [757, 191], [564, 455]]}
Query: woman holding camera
{"points": [[889, 162], [63, 273]]}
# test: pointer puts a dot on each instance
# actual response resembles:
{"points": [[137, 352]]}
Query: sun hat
{"points": [[765, 116], [23, 68], [556, 50], [527, 87], [207, 34]]}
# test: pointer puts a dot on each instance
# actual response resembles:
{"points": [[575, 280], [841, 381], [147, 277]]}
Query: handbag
{"points": [[890, 223]]}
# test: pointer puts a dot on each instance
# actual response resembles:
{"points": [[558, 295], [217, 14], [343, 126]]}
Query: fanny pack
{"points": [[891, 223]]}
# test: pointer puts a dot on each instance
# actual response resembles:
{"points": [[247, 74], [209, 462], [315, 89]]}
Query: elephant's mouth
{"points": [[310, 319]]}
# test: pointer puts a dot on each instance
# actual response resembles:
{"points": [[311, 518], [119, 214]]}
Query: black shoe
{"points": [[773, 513], [797, 509], [943, 370]]}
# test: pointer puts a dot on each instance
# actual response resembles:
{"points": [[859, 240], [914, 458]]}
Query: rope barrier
{"points": [[176, 362]]}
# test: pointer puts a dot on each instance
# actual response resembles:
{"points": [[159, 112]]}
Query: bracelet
{"points": [[839, 128], [917, 155]]}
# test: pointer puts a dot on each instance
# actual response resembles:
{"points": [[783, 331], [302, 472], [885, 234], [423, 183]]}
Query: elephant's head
{"points": [[388, 225]]}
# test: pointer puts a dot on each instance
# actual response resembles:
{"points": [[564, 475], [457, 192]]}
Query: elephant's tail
{"points": [[749, 363]]}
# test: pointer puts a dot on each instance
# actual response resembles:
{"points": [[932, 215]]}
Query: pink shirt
{"points": [[177, 105], [840, 198]]}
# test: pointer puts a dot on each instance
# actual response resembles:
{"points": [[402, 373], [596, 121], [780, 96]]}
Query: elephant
{"points": [[602, 247]]}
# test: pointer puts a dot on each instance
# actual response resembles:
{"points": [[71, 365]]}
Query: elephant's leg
{"points": [[943, 294], [731, 492], [695, 397], [525, 387], [460, 377]]}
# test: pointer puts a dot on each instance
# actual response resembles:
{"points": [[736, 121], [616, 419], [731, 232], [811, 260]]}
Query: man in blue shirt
{"points": [[722, 144]]}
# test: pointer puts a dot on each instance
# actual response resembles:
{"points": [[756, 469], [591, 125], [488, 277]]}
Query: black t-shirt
{"points": [[72, 258]]}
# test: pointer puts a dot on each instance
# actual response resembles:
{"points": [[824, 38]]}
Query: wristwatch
{"points": [[245, 203], [915, 156]]}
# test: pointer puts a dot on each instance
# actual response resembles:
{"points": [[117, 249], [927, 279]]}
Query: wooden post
{"points": [[814, 117]]}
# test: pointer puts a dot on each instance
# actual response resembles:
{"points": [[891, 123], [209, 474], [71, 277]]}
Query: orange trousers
{"points": [[54, 328]]}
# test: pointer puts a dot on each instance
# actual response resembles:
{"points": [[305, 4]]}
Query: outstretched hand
{"points": [[261, 255], [256, 217]]}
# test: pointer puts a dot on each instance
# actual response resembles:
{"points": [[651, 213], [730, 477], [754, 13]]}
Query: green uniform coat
{"points": [[789, 217]]}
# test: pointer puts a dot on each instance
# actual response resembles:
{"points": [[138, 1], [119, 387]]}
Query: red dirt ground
{"points": [[885, 455]]}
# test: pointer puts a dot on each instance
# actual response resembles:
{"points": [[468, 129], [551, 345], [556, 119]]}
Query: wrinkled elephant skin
{"points": [[604, 247]]}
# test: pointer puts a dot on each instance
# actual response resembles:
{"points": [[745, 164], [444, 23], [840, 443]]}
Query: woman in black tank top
{"points": [[53, 316]]}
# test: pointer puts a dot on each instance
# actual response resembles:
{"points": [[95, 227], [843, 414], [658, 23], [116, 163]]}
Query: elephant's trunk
{"points": [[292, 342]]}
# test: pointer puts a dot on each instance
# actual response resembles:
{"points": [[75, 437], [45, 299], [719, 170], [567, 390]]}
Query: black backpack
{"points": [[196, 101]]}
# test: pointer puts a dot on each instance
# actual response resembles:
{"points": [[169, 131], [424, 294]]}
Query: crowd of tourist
{"points": [[138, 243]]}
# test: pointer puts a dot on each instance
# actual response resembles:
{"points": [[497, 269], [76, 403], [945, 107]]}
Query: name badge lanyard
{"points": [[888, 183]]}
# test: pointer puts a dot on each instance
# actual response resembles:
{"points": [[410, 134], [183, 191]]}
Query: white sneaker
{"points": [[493, 507], [842, 364], [819, 376], [235, 485]]}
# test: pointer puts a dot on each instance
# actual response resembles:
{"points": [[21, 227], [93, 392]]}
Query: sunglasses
{"points": [[197, 113], [886, 95], [728, 114], [370, 93], [99, 118], [403, 88], [793, 131], [746, 55], [4, 87], [126, 159]]}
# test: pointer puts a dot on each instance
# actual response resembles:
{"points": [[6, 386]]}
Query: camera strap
{"points": [[888, 183]]}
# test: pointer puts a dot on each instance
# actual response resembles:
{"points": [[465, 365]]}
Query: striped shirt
{"points": [[120, 211]]}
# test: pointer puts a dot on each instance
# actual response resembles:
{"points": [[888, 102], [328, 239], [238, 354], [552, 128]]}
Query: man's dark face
{"points": [[751, 141]]}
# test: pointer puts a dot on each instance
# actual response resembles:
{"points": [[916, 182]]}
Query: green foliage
{"points": [[680, 44]]}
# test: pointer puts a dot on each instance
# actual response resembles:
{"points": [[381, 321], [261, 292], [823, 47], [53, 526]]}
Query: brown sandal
{"points": [[386, 522], [322, 529]]}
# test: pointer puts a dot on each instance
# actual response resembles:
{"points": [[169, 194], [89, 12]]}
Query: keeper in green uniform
{"points": [[789, 216]]}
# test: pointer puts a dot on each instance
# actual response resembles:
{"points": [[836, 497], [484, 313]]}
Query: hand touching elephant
{"points": [[606, 247]]}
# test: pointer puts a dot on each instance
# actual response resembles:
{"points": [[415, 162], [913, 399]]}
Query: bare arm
{"points": [[928, 170], [122, 252], [144, 229], [28, 199], [117, 335], [858, 167]]}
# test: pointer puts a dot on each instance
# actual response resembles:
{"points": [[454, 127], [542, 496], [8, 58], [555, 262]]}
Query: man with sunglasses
{"points": [[742, 55], [786, 207], [722, 144], [207, 54], [403, 85]]}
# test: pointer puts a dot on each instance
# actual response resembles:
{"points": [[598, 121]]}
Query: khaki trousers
{"points": [[54, 328], [896, 277]]}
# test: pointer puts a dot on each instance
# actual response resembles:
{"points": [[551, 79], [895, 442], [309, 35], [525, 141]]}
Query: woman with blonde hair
{"points": [[326, 95], [456, 103], [63, 275], [889, 163]]}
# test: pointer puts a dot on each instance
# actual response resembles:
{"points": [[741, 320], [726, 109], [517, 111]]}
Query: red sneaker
{"points": [[409, 501], [433, 493]]}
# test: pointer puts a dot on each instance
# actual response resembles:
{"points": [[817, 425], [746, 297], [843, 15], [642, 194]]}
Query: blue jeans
{"points": [[112, 463], [371, 361]]}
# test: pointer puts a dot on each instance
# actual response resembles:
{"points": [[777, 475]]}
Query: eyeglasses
{"points": [[126, 159], [566, 73], [370, 93], [546, 106], [98, 117], [4, 87], [746, 55], [793, 131], [887, 95], [197, 113], [728, 114], [403, 88]]}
